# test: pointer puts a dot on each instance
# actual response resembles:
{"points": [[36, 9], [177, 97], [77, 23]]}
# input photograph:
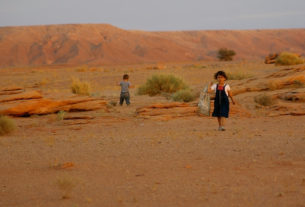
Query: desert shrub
{"points": [[225, 54], [286, 58], [183, 95], [158, 84], [264, 100], [7, 125], [238, 75], [79, 87]]}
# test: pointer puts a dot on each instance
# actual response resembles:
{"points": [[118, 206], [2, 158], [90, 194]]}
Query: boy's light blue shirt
{"points": [[124, 86]]}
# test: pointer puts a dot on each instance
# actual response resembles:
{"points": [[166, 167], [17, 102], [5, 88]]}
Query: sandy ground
{"points": [[119, 159]]}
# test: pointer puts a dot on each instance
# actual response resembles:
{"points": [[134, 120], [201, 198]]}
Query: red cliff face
{"points": [[104, 44]]}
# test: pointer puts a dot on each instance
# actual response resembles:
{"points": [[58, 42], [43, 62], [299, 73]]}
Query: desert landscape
{"points": [[70, 149]]}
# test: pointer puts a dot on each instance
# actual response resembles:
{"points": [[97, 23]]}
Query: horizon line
{"points": [[170, 30]]}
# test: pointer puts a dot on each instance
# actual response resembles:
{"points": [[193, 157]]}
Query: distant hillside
{"points": [[106, 44]]}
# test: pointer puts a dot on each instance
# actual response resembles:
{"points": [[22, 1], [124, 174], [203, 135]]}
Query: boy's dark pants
{"points": [[124, 96]]}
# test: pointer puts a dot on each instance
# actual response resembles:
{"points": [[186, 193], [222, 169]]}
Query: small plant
{"points": [[183, 95], [7, 125], [238, 76], [158, 84], [66, 185], [61, 115], [286, 58], [264, 100], [95, 94], [79, 87], [225, 54], [298, 84], [112, 103], [83, 68]]}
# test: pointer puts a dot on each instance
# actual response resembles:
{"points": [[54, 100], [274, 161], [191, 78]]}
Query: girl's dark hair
{"points": [[125, 77], [222, 73]]}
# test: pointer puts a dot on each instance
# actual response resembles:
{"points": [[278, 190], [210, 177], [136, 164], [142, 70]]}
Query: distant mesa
{"points": [[103, 44]]}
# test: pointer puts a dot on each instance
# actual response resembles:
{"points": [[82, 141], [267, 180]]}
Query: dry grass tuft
{"points": [[7, 125], [66, 185], [238, 75], [79, 87], [60, 115], [286, 58], [264, 100]]}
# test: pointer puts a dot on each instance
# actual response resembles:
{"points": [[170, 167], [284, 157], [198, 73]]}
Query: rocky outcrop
{"points": [[11, 91], [293, 96], [167, 111], [285, 108], [22, 96], [46, 106], [271, 58]]}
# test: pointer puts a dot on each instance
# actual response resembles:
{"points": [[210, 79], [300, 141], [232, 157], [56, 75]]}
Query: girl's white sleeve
{"points": [[213, 87], [227, 89]]}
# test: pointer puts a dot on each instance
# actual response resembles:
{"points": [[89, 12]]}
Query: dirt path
{"points": [[135, 162]]}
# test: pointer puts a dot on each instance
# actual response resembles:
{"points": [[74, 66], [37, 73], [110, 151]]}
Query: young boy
{"points": [[125, 84]]}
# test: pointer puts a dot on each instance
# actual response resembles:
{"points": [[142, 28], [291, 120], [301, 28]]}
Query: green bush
{"points": [[81, 88], [286, 58], [264, 100], [183, 95], [159, 84], [225, 54], [7, 125]]}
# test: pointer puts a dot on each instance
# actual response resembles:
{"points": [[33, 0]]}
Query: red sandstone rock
{"points": [[22, 96], [46, 106], [168, 111], [270, 59]]}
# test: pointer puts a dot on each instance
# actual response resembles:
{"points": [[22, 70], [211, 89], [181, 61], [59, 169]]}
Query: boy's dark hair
{"points": [[222, 73], [125, 77]]}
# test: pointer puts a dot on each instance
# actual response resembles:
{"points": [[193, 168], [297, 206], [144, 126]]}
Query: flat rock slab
{"points": [[46, 106], [21, 96], [166, 111]]}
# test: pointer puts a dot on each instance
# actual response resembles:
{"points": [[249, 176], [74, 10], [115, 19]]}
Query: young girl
{"points": [[221, 103]]}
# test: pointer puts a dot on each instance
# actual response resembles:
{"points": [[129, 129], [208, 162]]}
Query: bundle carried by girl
{"points": [[204, 104]]}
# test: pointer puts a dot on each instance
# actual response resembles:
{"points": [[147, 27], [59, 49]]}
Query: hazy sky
{"points": [[156, 15]]}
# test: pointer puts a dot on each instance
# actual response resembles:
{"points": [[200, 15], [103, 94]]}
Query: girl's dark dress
{"points": [[221, 103]]}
